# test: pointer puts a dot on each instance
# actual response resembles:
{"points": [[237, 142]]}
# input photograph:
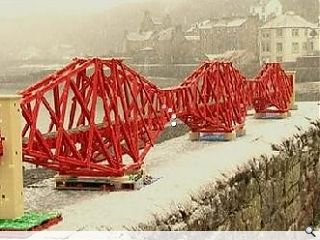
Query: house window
{"points": [[304, 46], [306, 32], [311, 46], [295, 47], [295, 32], [265, 47], [279, 59], [279, 47], [265, 34], [279, 32]]}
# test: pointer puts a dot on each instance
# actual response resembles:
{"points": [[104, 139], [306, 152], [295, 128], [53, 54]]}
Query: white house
{"points": [[285, 38], [314, 41], [267, 9]]}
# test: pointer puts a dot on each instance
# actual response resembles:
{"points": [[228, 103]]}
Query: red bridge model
{"points": [[101, 117], [271, 91]]}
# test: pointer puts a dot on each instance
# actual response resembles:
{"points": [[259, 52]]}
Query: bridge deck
{"points": [[198, 164]]}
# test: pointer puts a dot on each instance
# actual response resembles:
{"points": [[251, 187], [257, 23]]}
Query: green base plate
{"points": [[28, 221]]}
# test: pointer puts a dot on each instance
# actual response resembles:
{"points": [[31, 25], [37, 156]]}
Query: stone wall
{"points": [[276, 192]]}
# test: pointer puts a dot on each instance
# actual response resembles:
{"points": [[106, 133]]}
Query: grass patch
{"points": [[28, 221]]}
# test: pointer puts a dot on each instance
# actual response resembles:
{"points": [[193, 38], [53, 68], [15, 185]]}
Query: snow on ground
{"points": [[183, 166]]}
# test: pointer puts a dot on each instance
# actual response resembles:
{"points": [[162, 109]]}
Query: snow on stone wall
{"points": [[277, 192]]}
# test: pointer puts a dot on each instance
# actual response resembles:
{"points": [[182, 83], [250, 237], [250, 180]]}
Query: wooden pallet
{"points": [[129, 182], [47, 224], [217, 136], [272, 115]]}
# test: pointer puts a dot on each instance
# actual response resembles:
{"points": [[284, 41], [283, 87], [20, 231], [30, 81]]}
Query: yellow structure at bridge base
{"points": [[11, 179]]}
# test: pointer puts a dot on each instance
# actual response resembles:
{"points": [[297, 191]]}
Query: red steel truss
{"points": [[132, 110], [98, 117], [271, 90], [79, 140], [211, 99]]}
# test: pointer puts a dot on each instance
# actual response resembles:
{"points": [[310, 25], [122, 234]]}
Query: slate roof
{"points": [[165, 34]]}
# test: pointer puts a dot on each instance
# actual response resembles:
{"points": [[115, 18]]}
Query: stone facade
{"points": [[220, 35], [159, 42], [287, 37], [172, 46], [145, 37], [278, 192]]}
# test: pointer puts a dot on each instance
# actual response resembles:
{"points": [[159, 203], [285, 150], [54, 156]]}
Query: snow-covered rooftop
{"points": [[289, 20], [236, 22], [136, 36], [193, 38], [227, 56]]}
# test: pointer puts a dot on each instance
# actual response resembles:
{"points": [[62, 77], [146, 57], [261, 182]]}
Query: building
{"points": [[266, 9], [160, 42], [144, 37], [313, 42], [233, 33], [149, 23], [285, 38], [173, 46], [136, 41]]}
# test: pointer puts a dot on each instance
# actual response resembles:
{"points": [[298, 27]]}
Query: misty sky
{"points": [[42, 28], [16, 8]]}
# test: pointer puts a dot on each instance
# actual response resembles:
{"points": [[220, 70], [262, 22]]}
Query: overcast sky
{"points": [[16, 8]]}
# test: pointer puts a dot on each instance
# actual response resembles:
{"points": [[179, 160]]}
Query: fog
{"points": [[28, 8], [58, 30], [37, 27]]}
